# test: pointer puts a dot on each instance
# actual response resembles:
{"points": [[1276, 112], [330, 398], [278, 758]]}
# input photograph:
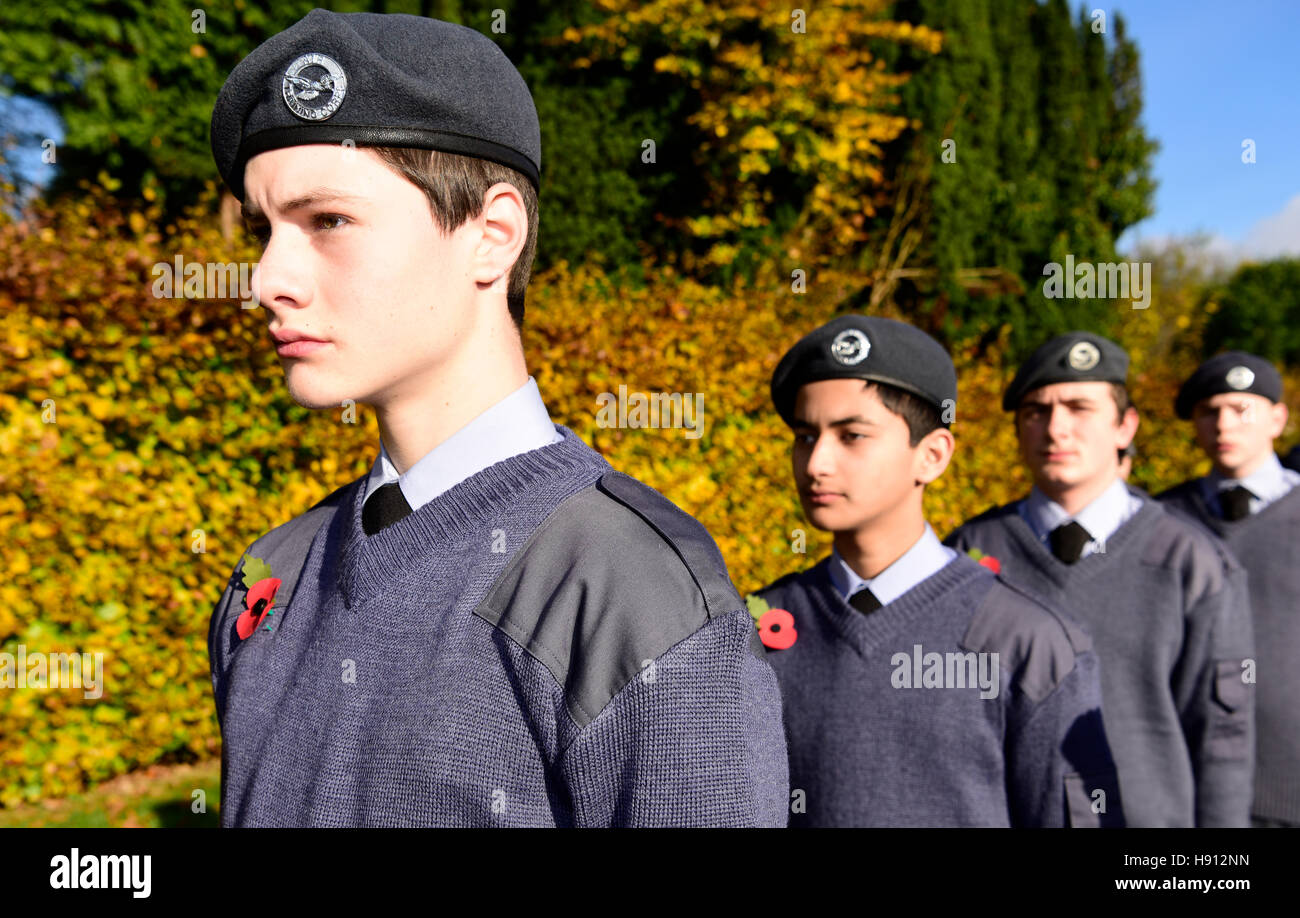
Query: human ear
{"points": [[933, 454], [1127, 429], [504, 228]]}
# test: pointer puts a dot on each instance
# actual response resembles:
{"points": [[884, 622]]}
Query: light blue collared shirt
{"points": [[924, 559], [1109, 510], [1270, 482], [516, 424]]}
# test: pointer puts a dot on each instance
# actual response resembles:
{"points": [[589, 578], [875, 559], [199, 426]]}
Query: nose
{"points": [[282, 279], [1057, 423], [821, 458]]}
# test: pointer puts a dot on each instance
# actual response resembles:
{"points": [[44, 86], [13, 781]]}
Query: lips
{"points": [[300, 348], [822, 497], [289, 343]]}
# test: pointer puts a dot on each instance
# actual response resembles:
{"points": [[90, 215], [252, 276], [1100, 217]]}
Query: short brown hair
{"points": [[455, 186], [921, 416], [1119, 392]]}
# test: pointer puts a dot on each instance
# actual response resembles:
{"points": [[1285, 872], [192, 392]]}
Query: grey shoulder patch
{"points": [[285, 547], [1030, 638], [1198, 556], [615, 576]]}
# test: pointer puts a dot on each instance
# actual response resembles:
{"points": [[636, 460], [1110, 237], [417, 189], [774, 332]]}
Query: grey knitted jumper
{"points": [[548, 643], [877, 738], [1268, 546], [1168, 613]]}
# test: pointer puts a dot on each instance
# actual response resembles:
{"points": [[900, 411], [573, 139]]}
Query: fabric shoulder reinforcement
{"points": [[289, 535], [992, 514], [1179, 492], [616, 575], [1030, 638], [1179, 544]]}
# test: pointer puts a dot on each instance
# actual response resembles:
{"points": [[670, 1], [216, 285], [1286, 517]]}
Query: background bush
{"points": [[173, 422]]}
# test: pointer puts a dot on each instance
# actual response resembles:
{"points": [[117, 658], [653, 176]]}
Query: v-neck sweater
{"points": [[1267, 544], [877, 737], [1168, 612], [405, 684]]}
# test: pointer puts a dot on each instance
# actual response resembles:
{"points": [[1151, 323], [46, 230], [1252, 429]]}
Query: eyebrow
{"points": [[1077, 400], [253, 214], [842, 422]]}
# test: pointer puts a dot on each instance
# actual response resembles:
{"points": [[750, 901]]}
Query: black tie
{"points": [[864, 601], [1235, 503], [1068, 540], [383, 508]]}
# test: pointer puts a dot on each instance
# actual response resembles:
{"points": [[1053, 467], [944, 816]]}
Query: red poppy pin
{"points": [[259, 599], [775, 626], [988, 561]]}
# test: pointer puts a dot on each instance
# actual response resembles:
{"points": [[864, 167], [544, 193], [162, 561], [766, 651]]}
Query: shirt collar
{"points": [[1268, 482], [924, 559], [516, 424], [1101, 517]]}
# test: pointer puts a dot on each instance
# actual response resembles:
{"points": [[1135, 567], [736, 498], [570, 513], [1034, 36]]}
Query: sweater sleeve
{"points": [[1216, 702], [695, 739], [217, 653], [1060, 772]]}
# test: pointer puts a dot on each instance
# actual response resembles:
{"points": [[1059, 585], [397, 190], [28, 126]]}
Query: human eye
{"points": [[261, 232], [324, 221]]}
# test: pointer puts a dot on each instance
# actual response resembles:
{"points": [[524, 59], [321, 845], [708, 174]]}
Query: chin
{"points": [[823, 518], [1057, 477], [313, 394]]}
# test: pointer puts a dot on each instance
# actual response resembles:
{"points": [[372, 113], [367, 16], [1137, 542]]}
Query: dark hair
{"points": [[1119, 392], [921, 416], [455, 186]]}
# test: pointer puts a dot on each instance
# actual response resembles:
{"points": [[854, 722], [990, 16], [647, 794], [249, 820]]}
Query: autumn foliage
{"points": [[172, 444]]}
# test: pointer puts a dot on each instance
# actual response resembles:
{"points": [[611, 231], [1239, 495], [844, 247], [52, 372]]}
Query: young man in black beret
{"points": [[457, 638], [1164, 603], [1234, 401], [920, 689]]}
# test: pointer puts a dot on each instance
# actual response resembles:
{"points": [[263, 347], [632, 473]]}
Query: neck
{"points": [[427, 409], [1075, 497], [871, 548], [1247, 469]]}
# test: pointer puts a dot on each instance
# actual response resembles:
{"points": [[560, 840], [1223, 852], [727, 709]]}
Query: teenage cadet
{"points": [[1165, 604], [492, 627], [920, 689], [1234, 401]]}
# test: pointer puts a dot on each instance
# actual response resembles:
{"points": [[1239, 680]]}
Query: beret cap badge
{"points": [[850, 347], [1240, 377], [314, 86], [1083, 356]]}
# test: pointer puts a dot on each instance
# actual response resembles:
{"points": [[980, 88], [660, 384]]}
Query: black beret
{"points": [[376, 80], [1076, 356], [867, 347], [1231, 371]]}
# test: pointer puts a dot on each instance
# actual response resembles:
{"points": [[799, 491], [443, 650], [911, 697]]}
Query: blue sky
{"points": [[1214, 74]]}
